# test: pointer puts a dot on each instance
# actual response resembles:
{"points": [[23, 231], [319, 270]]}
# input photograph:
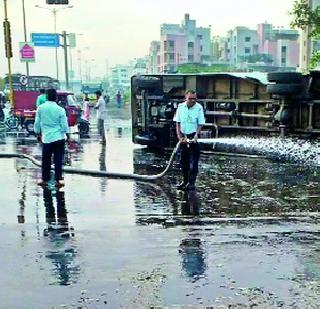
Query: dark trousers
{"points": [[57, 150], [190, 154]]}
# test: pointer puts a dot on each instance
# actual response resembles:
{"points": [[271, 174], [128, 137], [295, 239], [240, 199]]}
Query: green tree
{"points": [[1, 83], [304, 16]]}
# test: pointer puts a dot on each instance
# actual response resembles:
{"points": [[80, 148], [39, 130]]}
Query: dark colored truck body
{"points": [[278, 103]]}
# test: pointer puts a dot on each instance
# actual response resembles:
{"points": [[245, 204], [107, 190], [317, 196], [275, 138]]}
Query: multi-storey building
{"points": [[220, 49], [185, 43], [281, 44], [120, 76], [242, 43], [307, 45], [154, 63], [277, 48]]}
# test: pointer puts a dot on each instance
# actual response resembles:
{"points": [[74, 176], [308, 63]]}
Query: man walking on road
{"points": [[101, 116], [189, 120], [51, 128]]}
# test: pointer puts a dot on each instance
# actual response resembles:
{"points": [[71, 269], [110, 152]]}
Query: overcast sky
{"points": [[117, 31]]}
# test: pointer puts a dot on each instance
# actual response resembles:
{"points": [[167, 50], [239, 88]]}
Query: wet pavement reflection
{"points": [[248, 236]]}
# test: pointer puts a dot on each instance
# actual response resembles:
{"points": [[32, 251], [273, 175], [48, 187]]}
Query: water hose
{"points": [[96, 173]]}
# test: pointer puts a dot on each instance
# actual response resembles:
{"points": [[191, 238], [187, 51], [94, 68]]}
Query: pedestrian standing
{"points": [[51, 128], [86, 109], [101, 116], [189, 120], [42, 98], [118, 99]]}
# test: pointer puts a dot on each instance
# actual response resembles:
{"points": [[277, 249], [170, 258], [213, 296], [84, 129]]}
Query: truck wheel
{"points": [[285, 77], [29, 125], [285, 89], [12, 122]]}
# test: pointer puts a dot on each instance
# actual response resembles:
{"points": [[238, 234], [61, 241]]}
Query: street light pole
{"points": [[25, 33], [54, 12]]}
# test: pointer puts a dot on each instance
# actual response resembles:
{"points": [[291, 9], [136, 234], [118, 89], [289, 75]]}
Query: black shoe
{"points": [[181, 186], [189, 187]]}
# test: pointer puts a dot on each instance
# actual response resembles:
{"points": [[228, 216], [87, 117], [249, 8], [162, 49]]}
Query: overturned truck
{"points": [[277, 103]]}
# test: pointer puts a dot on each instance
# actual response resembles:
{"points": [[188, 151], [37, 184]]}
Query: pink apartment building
{"points": [[179, 44]]}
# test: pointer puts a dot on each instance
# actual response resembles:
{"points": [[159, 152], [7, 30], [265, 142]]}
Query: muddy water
{"points": [[248, 236]]}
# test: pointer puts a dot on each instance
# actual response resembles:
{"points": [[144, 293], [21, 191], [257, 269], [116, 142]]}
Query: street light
{"points": [[72, 75], [25, 32], [79, 51], [88, 69], [55, 11]]}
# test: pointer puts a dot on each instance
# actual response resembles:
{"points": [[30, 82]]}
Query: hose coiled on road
{"points": [[96, 173]]}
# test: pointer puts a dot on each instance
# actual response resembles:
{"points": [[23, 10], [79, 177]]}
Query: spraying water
{"points": [[275, 148]]}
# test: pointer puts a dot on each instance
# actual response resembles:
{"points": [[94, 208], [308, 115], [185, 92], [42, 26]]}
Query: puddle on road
{"points": [[249, 235]]}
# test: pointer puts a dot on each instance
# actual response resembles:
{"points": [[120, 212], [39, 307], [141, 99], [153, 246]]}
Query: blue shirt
{"points": [[51, 121], [189, 118]]}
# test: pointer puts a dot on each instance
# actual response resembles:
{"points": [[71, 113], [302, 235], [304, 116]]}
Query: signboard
{"points": [[72, 40], [23, 79], [45, 39], [26, 50], [57, 2]]}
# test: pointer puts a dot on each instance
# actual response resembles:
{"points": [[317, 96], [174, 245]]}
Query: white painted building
{"points": [[242, 42], [120, 76], [307, 46]]}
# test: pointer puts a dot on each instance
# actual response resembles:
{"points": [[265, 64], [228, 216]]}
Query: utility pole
{"points": [[71, 67], [54, 11], [65, 49], [8, 48], [25, 33]]}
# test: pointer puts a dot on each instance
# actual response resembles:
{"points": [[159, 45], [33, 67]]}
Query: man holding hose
{"points": [[189, 120]]}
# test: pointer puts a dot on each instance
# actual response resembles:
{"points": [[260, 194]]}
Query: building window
{"points": [[247, 50], [190, 58], [171, 44], [171, 57], [283, 55], [247, 39], [190, 44], [201, 48]]}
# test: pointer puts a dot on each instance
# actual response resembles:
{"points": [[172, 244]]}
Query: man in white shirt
{"points": [[51, 128], [101, 108], [189, 120]]}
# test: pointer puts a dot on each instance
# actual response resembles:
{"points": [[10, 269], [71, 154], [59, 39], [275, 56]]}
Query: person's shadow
{"points": [[191, 249], [190, 203], [103, 167], [62, 252]]}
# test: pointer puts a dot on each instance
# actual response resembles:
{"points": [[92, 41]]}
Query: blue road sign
{"points": [[45, 39]]}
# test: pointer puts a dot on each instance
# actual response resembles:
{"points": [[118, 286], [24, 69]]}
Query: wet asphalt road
{"points": [[249, 235]]}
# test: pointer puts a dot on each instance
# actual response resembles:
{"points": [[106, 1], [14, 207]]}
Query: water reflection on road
{"points": [[249, 235]]}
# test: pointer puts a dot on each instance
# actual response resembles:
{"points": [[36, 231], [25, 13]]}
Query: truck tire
{"points": [[29, 125], [285, 77], [285, 89], [12, 122]]}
